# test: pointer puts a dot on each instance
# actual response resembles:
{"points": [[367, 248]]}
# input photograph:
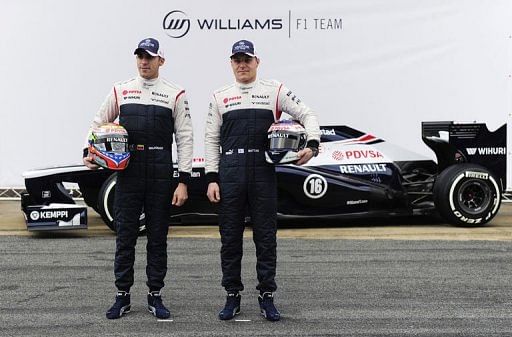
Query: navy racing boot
{"points": [[267, 307], [121, 306], [155, 305], [232, 306]]}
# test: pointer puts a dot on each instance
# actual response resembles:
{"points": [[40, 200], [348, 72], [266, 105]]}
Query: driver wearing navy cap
{"points": [[151, 109], [150, 46], [239, 177]]}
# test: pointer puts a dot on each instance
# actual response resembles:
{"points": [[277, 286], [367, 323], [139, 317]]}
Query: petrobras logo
{"points": [[229, 99], [135, 91], [486, 151], [177, 24], [40, 215]]}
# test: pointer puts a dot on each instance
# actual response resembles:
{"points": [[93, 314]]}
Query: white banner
{"points": [[378, 66]]}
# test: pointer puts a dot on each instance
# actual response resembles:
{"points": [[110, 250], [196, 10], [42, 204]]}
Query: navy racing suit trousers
{"points": [[145, 185], [247, 187]]}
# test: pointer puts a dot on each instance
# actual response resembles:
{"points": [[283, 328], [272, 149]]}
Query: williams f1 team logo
{"points": [[176, 24]]}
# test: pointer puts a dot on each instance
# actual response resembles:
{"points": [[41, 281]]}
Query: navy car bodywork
{"points": [[355, 175]]}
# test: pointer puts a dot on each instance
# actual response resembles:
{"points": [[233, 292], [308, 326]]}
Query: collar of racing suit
{"points": [[145, 83], [246, 86]]}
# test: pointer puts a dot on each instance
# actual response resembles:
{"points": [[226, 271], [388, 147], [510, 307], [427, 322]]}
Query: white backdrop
{"points": [[391, 64]]}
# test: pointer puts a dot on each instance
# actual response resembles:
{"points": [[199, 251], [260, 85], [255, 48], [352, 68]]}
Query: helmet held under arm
{"points": [[286, 139], [108, 146]]}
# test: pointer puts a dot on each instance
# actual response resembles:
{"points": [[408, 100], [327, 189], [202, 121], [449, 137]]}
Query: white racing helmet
{"points": [[286, 138]]}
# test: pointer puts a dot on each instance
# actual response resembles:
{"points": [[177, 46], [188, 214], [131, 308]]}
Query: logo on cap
{"points": [[147, 43], [243, 46], [150, 45]]}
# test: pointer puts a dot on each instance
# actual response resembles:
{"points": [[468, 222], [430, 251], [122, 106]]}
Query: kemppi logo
{"points": [[176, 24], [36, 215]]}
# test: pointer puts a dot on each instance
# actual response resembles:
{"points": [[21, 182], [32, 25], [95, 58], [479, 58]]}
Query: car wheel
{"points": [[467, 195], [90, 196], [106, 199]]}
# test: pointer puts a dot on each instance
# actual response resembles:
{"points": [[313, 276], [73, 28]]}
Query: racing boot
{"points": [[155, 305], [267, 307], [121, 306], [232, 306]]}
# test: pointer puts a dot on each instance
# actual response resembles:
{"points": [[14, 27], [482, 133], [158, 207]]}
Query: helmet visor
{"points": [[119, 147], [112, 144], [283, 141]]}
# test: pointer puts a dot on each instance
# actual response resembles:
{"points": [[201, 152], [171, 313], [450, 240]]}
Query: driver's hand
{"points": [[304, 156], [180, 195], [213, 192], [90, 164]]}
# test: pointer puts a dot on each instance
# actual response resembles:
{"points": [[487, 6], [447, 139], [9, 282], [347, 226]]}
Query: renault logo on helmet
{"points": [[176, 24]]}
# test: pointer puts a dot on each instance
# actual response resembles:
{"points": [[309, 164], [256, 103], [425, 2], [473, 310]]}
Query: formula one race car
{"points": [[355, 175]]}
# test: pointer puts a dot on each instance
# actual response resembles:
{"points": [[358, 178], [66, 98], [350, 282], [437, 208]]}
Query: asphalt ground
{"points": [[439, 281]]}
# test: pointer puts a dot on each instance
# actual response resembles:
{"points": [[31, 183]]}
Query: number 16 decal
{"points": [[315, 186]]}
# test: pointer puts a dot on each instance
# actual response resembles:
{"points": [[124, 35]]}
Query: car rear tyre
{"points": [[467, 195], [106, 199]]}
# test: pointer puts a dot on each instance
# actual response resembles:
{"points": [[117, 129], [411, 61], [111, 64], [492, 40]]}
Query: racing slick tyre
{"points": [[106, 205], [467, 195], [90, 196]]}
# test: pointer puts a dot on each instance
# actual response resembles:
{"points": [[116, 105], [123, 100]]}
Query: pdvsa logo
{"points": [[176, 24]]}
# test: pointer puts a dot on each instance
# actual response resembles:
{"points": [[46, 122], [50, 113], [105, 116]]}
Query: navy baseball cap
{"points": [[151, 46], [244, 47]]}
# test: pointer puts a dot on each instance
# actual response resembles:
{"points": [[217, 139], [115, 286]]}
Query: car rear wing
{"points": [[455, 142]]}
